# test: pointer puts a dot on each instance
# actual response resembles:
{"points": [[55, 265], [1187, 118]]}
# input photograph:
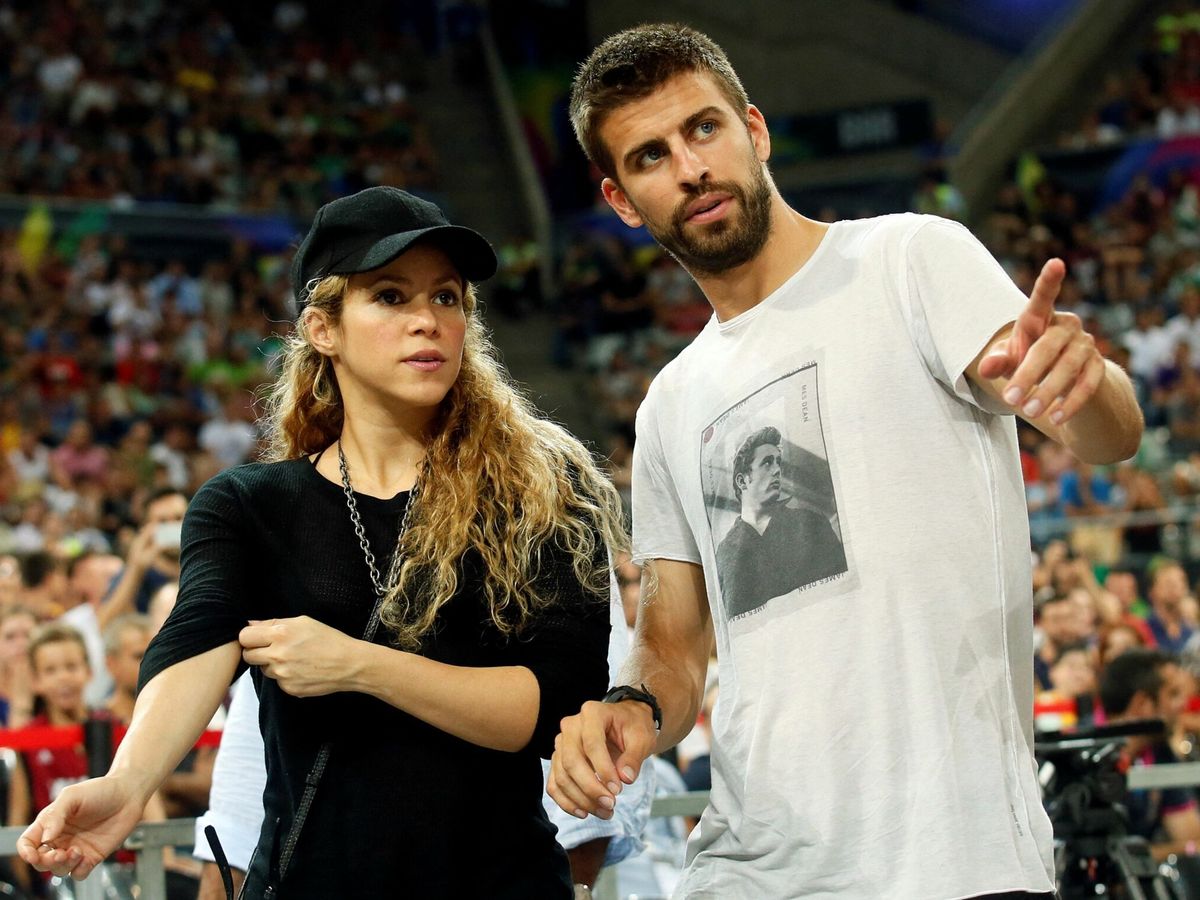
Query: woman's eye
{"points": [[389, 296], [446, 298]]}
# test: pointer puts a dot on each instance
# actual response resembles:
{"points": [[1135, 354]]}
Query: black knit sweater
{"points": [[404, 809]]}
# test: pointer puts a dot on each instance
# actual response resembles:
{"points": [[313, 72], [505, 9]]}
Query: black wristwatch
{"points": [[629, 692]]}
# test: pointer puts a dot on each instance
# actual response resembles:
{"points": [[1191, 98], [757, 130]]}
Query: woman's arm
{"points": [[89, 821], [493, 707]]}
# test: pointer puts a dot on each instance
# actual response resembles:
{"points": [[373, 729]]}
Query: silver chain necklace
{"points": [[380, 589]]}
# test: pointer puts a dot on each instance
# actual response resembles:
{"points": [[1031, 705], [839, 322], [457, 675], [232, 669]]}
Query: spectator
{"points": [[1148, 684], [1168, 591], [125, 642], [153, 557]]}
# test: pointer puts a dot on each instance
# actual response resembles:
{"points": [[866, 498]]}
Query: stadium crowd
{"points": [[127, 382], [230, 106]]}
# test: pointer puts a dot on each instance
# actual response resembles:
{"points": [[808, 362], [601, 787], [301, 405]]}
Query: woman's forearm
{"points": [[171, 713], [492, 707]]}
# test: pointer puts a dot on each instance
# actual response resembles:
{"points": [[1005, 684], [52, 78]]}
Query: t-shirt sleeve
{"points": [[957, 297], [566, 647], [660, 528], [216, 558]]}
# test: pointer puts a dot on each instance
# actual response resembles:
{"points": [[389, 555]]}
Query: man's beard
{"points": [[719, 246]]}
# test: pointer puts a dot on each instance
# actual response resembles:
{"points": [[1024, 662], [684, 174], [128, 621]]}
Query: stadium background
{"points": [[159, 161]]}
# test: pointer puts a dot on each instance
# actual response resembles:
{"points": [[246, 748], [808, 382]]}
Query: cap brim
{"points": [[470, 252]]}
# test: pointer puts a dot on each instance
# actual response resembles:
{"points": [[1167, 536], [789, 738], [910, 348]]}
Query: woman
{"points": [[393, 429]]}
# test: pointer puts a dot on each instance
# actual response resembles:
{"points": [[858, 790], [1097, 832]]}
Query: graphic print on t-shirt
{"points": [[769, 495]]}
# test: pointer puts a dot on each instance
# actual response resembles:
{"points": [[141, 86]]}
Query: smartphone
{"points": [[167, 535]]}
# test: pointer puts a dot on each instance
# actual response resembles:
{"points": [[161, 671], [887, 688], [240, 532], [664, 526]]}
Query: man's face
{"points": [[1172, 694], [1169, 588], [1060, 621], [690, 167], [168, 508], [761, 485], [125, 662]]}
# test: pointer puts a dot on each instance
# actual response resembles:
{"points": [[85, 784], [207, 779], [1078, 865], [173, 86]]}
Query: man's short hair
{"points": [[36, 567], [631, 65], [1138, 669], [165, 491], [117, 628], [744, 458]]}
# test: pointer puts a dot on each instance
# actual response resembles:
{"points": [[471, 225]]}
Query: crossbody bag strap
{"points": [[313, 779]]}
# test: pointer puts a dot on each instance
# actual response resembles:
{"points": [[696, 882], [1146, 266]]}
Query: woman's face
{"points": [[400, 340]]}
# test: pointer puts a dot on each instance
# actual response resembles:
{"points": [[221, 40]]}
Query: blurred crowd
{"points": [[1158, 95], [233, 106]]}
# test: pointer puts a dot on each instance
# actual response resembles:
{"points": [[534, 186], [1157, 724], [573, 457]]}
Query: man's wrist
{"points": [[640, 694]]}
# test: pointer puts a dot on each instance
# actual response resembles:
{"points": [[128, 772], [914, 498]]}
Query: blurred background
{"points": [[160, 160]]}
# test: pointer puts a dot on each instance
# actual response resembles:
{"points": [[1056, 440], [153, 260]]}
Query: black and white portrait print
{"points": [[769, 495]]}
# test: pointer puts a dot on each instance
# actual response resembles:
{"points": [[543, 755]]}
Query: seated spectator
{"points": [[153, 557], [1148, 684], [1115, 640], [16, 680], [1167, 620], [125, 642], [1059, 625]]}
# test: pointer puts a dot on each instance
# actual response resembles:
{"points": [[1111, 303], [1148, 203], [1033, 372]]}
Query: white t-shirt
{"points": [[873, 736]]}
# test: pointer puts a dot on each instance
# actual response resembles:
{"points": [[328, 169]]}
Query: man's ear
{"points": [[756, 124], [320, 331], [619, 201]]}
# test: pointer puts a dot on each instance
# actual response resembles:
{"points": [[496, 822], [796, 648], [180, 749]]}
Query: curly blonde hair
{"points": [[498, 480]]}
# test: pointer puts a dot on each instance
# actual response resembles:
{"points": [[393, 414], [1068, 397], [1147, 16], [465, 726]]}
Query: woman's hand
{"points": [[85, 824], [305, 657]]}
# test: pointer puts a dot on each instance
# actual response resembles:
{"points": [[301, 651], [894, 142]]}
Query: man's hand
{"points": [[144, 549], [305, 657], [1051, 363], [598, 750]]}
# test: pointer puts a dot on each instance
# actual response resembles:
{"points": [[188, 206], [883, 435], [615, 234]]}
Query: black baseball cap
{"points": [[371, 228]]}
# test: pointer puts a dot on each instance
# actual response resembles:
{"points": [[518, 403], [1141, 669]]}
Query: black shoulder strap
{"points": [[318, 769]]}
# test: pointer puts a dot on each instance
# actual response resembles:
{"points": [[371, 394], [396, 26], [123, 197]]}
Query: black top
{"points": [[404, 809]]}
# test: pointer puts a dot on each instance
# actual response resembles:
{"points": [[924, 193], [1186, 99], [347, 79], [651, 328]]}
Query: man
{"points": [[125, 642], [89, 576], [1168, 590], [757, 558], [874, 733], [1143, 683], [153, 558]]}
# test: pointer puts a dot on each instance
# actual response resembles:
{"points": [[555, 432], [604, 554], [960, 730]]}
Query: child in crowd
{"points": [[59, 663]]}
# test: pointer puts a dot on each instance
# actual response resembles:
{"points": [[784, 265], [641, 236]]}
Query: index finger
{"points": [[1045, 290]]}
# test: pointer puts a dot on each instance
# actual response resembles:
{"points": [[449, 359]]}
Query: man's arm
{"points": [[1047, 368], [606, 743], [142, 552]]}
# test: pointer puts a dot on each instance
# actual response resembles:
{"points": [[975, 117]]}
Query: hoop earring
{"points": [[321, 391]]}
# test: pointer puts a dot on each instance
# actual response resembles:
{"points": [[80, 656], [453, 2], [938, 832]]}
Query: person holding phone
{"points": [[411, 487], [153, 556]]}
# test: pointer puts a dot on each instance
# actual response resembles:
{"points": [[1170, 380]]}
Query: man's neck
{"points": [[757, 519], [792, 242]]}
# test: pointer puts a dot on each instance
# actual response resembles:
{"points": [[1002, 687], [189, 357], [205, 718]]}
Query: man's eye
{"points": [[706, 128], [651, 156]]}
